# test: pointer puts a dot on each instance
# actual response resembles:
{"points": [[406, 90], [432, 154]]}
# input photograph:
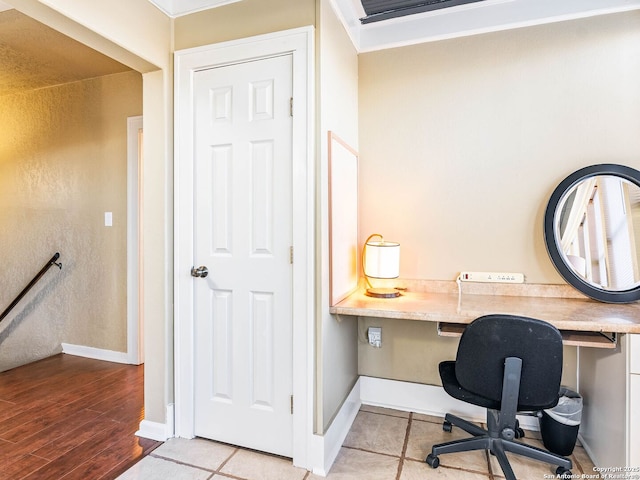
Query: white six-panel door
{"points": [[243, 235]]}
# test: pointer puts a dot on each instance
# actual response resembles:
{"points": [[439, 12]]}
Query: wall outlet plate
{"points": [[375, 336], [492, 277]]}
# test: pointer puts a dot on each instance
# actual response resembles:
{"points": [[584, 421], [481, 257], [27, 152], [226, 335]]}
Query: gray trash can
{"points": [[559, 425]]}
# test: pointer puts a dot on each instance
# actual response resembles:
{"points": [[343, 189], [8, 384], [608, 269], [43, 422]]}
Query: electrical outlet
{"points": [[375, 336], [492, 277]]}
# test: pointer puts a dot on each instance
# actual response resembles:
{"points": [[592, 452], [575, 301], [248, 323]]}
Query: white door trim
{"points": [[299, 43], [135, 352]]}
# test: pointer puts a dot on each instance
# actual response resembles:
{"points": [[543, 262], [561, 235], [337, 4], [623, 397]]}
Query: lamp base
{"points": [[382, 292]]}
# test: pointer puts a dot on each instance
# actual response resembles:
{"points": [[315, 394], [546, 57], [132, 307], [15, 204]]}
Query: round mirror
{"points": [[592, 232]]}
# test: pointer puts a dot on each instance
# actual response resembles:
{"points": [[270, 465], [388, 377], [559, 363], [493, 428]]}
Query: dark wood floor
{"points": [[68, 417]]}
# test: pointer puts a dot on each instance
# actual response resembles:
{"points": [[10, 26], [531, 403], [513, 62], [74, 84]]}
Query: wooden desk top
{"points": [[576, 314]]}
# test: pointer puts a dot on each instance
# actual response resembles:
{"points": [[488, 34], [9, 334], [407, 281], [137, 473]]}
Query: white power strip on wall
{"points": [[492, 277]]}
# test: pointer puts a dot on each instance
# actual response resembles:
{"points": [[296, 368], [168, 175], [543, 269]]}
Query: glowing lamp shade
{"points": [[381, 259]]}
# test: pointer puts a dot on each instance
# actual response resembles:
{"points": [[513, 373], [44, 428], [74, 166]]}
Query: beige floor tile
{"points": [[424, 435], [377, 433], [421, 471], [523, 467], [581, 462], [423, 417], [197, 452], [252, 465], [358, 465], [372, 452], [151, 468], [385, 411]]}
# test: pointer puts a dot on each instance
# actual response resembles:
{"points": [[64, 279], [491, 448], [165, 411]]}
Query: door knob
{"points": [[199, 272]]}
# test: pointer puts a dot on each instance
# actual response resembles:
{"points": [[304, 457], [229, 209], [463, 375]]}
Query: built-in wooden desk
{"points": [[582, 321], [608, 379]]}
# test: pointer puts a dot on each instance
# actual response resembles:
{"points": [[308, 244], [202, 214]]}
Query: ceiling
{"points": [[177, 8], [459, 20], [467, 19], [456, 21], [33, 55]]}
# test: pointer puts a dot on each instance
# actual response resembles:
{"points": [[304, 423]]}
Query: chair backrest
{"points": [[489, 340]]}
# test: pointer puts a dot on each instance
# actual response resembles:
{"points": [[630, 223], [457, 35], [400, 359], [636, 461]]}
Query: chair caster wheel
{"points": [[519, 433], [447, 426], [432, 461], [562, 472]]}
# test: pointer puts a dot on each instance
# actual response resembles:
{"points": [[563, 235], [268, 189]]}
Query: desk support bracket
{"points": [[612, 337]]}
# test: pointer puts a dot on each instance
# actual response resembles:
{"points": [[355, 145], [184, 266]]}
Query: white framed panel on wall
{"points": [[343, 219]]}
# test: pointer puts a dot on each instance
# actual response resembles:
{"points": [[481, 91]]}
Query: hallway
{"points": [[70, 417]]}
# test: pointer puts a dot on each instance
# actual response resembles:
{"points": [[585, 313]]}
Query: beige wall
{"points": [[63, 163], [462, 142], [242, 19], [137, 34], [337, 100], [144, 35], [411, 352], [157, 245]]}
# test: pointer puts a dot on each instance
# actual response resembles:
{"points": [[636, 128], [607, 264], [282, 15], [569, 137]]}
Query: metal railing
{"points": [[38, 276]]}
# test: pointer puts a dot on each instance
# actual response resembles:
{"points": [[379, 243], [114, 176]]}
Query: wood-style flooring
{"points": [[69, 417]]}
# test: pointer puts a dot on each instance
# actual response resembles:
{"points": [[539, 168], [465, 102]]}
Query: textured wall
{"points": [[63, 160], [462, 142], [139, 35]]}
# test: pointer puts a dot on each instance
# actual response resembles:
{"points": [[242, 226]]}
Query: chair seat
{"points": [[452, 387], [505, 364]]}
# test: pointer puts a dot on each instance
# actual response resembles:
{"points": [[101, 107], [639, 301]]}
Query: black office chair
{"points": [[506, 364]]}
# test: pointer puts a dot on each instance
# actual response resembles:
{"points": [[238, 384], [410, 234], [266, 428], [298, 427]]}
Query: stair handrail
{"points": [[38, 276]]}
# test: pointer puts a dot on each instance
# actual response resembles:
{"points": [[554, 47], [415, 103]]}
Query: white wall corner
{"points": [[160, 432]]}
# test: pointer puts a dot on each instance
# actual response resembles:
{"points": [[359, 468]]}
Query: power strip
{"points": [[492, 277]]}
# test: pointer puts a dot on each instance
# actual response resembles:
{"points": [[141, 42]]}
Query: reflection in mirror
{"points": [[597, 227]]}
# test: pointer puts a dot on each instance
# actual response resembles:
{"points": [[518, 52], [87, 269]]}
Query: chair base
{"points": [[496, 442]]}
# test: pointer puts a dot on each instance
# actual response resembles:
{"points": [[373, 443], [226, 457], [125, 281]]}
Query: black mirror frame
{"points": [[551, 242]]}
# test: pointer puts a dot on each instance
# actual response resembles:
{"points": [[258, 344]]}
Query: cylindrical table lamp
{"points": [[380, 259]]}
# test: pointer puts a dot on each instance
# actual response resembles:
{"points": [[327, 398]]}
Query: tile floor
{"points": [[383, 444]]}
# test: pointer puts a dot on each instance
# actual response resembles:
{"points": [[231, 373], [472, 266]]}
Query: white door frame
{"points": [[135, 350], [299, 43]]}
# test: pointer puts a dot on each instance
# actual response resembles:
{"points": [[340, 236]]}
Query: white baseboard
{"points": [[589, 450], [331, 442], [427, 399], [154, 431], [398, 395], [415, 397], [95, 353], [160, 432]]}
